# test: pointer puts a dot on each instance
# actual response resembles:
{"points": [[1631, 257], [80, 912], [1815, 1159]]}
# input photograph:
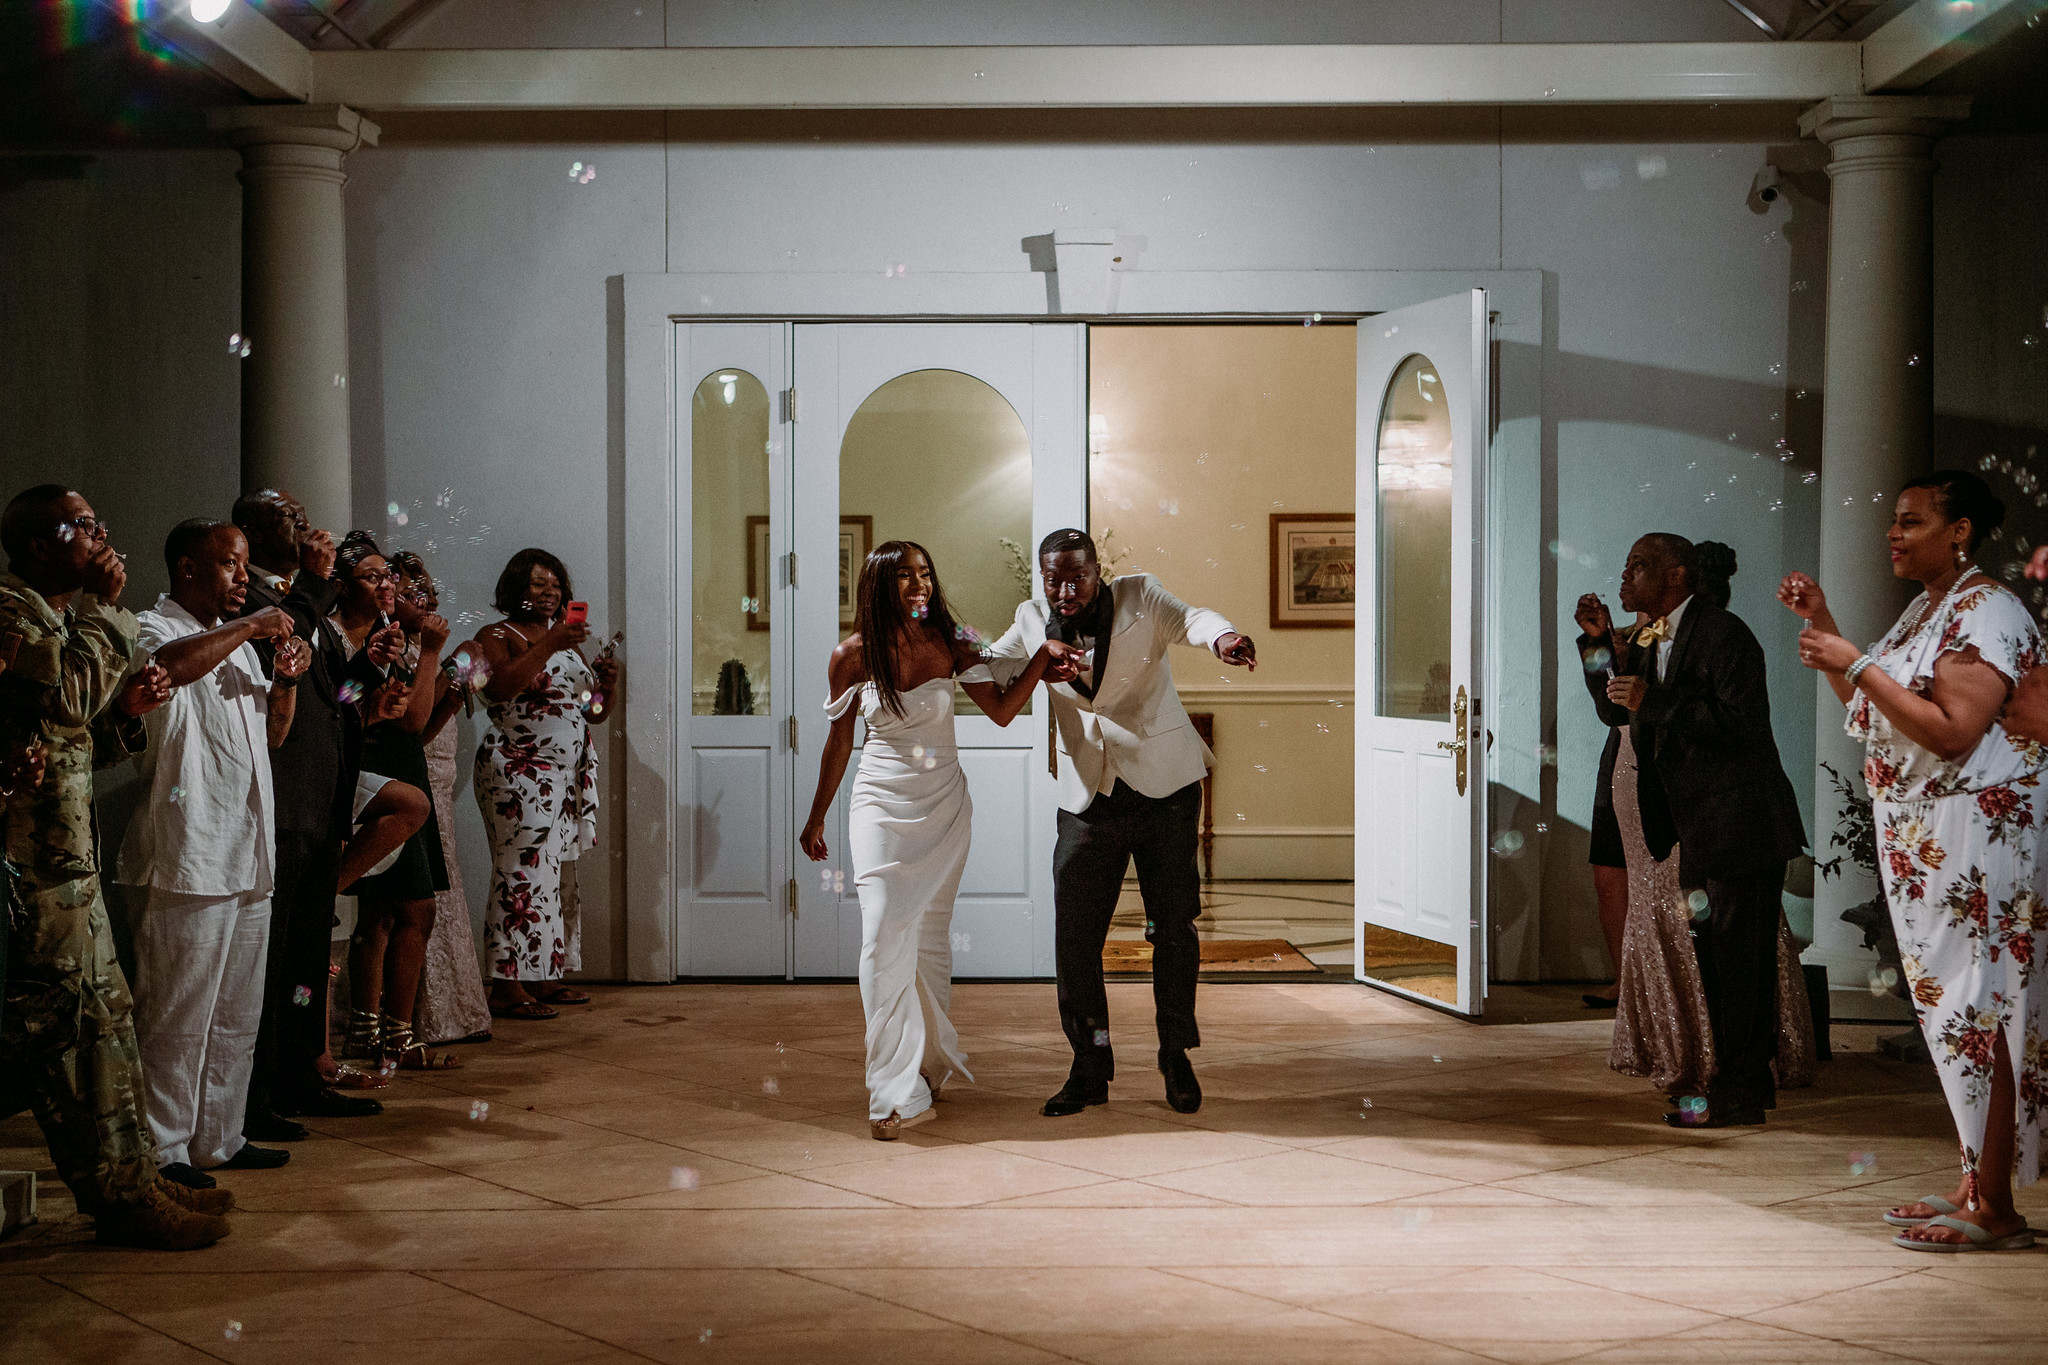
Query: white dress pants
{"points": [[198, 1000]]}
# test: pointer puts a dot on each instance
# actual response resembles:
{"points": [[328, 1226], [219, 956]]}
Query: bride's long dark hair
{"points": [[879, 619]]}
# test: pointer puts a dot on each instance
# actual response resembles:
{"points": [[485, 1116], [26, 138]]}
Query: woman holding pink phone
{"points": [[536, 779]]}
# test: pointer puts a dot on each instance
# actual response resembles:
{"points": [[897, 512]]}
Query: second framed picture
{"points": [[1314, 571]]}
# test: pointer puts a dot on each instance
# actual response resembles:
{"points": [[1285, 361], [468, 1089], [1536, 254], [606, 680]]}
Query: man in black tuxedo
{"points": [[313, 781], [1692, 691]]}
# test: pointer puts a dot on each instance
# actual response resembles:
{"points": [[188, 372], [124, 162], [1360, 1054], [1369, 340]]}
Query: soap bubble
{"points": [[824, 879], [1542, 828], [1697, 903], [1102, 1037], [962, 943], [1692, 1104], [1882, 980], [302, 995], [1650, 167], [233, 1331], [682, 1178], [479, 1110], [177, 795], [1810, 476], [1863, 1163], [1414, 1218], [770, 1086], [1508, 843]]}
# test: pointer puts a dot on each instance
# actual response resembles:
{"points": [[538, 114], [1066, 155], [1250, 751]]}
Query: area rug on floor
{"points": [[1128, 955]]}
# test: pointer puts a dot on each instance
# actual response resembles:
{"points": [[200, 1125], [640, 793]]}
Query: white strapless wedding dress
{"points": [[909, 826]]}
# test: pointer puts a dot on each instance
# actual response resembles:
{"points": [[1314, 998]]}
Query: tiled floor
{"points": [[684, 1174]]}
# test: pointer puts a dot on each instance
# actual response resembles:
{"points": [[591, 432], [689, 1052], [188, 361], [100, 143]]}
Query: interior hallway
{"points": [[1504, 1197]]}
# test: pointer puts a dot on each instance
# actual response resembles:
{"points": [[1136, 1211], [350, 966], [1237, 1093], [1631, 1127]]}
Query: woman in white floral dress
{"points": [[1958, 806], [536, 783]]}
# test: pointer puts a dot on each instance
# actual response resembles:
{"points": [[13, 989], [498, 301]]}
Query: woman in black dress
{"points": [[395, 902]]}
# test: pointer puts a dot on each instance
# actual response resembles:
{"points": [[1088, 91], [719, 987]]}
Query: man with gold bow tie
{"points": [[1690, 685]]}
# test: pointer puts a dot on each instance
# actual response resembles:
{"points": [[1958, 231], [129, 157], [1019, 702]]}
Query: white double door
{"points": [[958, 436]]}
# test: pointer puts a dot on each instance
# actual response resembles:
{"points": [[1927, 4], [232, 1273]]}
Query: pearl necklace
{"points": [[1934, 605]]}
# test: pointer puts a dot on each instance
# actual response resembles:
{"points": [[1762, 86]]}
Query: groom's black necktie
{"points": [[1094, 622]]}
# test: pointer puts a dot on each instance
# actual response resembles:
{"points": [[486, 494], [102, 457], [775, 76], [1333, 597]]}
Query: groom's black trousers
{"points": [[1161, 834]]}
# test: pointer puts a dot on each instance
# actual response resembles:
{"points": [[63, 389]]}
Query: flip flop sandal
{"points": [[525, 1009], [1933, 1201], [565, 995], [1980, 1240]]}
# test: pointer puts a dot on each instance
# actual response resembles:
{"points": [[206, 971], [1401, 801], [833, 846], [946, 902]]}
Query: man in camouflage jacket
{"points": [[67, 1038]]}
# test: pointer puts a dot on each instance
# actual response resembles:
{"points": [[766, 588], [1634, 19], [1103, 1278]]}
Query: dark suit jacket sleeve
{"points": [[1609, 712], [1725, 701]]}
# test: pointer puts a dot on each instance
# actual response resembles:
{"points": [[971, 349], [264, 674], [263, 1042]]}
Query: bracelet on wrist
{"points": [[1856, 670]]}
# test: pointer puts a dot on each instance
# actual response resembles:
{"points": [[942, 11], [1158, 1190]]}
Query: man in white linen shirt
{"points": [[202, 847]]}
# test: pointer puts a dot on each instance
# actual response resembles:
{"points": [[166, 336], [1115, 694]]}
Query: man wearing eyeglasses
{"points": [[67, 1033]]}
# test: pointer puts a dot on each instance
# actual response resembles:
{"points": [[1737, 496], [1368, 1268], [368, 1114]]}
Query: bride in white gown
{"points": [[910, 820]]}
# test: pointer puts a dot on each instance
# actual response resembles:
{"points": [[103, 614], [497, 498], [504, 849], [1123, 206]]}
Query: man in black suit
{"points": [[1691, 689], [313, 780]]}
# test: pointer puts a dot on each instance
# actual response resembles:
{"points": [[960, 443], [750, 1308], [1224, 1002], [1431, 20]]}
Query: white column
{"points": [[295, 298], [1875, 423]]}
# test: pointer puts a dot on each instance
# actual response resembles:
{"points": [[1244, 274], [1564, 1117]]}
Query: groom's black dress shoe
{"points": [[1183, 1091], [1075, 1096]]}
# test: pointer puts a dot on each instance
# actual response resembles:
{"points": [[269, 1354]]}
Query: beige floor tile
{"points": [[1925, 1307], [1038, 1303], [755, 1192], [312, 1310], [955, 1176], [1732, 1291], [1297, 1338], [660, 1305], [1298, 1177], [1513, 1314], [42, 1323], [1128, 1145], [955, 1346], [805, 1146], [425, 1187], [1726, 1343], [1111, 1194], [620, 1171]]}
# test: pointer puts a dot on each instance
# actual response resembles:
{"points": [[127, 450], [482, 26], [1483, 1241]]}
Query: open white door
{"points": [[1420, 805]]}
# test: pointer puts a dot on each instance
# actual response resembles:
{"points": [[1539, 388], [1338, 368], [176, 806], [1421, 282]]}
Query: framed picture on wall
{"points": [[760, 575], [856, 538], [1314, 573]]}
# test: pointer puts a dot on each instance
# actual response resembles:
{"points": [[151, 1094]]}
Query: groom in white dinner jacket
{"points": [[1130, 767]]}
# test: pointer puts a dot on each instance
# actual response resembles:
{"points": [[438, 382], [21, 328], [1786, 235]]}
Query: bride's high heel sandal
{"points": [[889, 1129]]}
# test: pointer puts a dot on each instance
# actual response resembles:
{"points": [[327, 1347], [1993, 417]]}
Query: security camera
{"points": [[1765, 186]]}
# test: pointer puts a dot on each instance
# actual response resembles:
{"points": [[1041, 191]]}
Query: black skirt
{"points": [[390, 750]]}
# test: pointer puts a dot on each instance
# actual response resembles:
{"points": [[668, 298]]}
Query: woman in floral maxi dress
{"points": [[1957, 801], [536, 783]]}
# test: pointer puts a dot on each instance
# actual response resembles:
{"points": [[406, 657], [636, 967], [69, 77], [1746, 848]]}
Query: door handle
{"points": [[1456, 746], [1460, 712]]}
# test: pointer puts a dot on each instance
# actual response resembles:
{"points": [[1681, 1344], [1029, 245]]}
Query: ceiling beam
{"points": [[1933, 35], [1084, 77], [243, 46]]}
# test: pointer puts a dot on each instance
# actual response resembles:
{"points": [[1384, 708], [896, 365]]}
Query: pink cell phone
{"points": [[576, 613]]}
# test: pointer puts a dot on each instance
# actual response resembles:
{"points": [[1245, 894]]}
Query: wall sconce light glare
{"points": [[206, 11]]}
